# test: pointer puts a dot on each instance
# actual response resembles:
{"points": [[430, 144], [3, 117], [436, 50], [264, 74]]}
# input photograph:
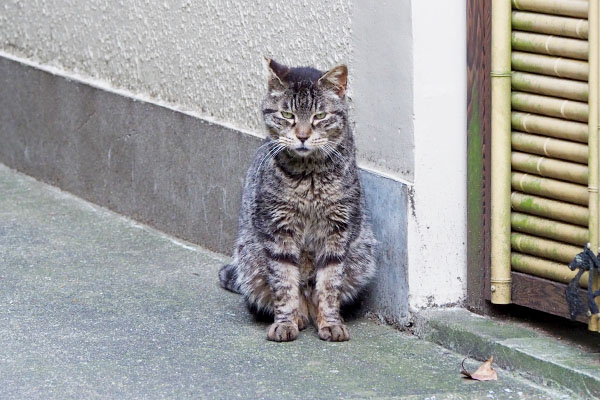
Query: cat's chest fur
{"points": [[310, 195], [312, 199]]}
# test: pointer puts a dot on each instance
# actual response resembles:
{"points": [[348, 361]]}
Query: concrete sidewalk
{"points": [[93, 305]]}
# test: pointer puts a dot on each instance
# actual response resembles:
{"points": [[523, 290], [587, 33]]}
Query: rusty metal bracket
{"points": [[586, 261]]}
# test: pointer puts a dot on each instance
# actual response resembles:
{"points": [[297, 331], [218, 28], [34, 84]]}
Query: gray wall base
{"points": [[175, 172]]}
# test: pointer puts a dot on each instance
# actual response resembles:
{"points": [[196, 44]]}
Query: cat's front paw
{"points": [[282, 332], [334, 333]]}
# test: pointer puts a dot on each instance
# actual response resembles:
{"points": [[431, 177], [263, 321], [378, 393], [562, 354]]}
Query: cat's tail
{"points": [[228, 278]]}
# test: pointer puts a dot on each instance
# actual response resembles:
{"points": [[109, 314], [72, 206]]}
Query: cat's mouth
{"points": [[302, 150]]}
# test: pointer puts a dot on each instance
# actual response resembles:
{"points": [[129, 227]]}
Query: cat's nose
{"points": [[302, 135]]}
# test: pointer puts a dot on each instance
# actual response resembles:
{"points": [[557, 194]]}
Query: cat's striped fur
{"points": [[305, 245]]}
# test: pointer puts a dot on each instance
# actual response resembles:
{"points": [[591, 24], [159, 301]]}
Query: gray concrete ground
{"points": [[94, 305]]}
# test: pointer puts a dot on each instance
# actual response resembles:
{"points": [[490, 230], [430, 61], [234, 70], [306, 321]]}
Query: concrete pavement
{"points": [[94, 305]]}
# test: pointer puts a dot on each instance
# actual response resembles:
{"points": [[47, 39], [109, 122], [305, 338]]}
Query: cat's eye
{"points": [[320, 115], [287, 115]]}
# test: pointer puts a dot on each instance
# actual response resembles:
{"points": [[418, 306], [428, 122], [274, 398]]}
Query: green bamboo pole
{"points": [[500, 170], [572, 8], [544, 248], [550, 24], [549, 126], [550, 168], [557, 190], [550, 45], [549, 65], [593, 81], [550, 86], [550, 106], [554, 271], [556, 210], [549, 229], [550, 147]]}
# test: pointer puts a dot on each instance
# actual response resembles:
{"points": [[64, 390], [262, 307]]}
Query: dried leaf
{"points": [[485, 372]]}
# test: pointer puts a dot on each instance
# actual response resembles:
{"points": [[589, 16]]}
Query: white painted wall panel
{"points": [[437, 223]]}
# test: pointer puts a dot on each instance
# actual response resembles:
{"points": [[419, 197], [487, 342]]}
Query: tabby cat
{"points": [[305, 245]]}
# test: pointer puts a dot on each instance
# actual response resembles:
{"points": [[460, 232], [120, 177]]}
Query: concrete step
{"points": [[94, 305], [564, 355]]}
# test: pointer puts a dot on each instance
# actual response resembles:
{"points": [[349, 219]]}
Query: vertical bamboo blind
{"points": [[549, 201]]}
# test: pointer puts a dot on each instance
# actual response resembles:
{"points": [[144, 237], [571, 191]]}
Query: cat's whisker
{"points": [[275, 144], [324, 151], [269, 143], [335, 152], [271, 154], [274, 150], [279, 150]]}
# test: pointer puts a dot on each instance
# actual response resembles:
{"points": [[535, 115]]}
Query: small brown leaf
{"points": [[485, 372]]}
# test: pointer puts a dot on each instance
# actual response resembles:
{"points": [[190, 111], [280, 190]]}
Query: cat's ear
{"points": [[277, 73], [336, 78]]}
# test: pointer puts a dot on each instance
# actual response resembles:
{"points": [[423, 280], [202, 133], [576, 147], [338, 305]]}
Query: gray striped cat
{"points": [[305, 245]]}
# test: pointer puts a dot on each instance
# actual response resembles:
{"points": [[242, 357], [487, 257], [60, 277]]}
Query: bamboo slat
{"points": [[550, 147], [554, 271], [549, 229], [550, 24], [552, 209], [551, 188], [549, 86], [549, 167], [555, 127], [550, 45], [572, 8], [550, 106], [548, 65], [545, 248]]}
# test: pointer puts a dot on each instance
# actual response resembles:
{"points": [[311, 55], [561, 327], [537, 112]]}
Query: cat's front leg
{"points": [[328, 285], [284, 276]]}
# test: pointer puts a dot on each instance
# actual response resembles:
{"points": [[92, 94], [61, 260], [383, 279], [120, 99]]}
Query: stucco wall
{"points": [[207, 56]]}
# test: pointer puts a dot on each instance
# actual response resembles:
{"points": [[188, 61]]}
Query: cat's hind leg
{"points": [[302, 316], [306, 310], [360, 268]]}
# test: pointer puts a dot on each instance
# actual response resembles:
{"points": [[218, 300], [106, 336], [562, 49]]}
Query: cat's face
{"points": [[305, 109]]}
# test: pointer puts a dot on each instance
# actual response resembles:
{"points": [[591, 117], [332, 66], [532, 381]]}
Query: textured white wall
{"points": [[206, 56], [438, 213]]}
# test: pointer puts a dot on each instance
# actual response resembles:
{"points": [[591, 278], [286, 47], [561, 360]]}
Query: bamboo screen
{"points": [[549, 118]]}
